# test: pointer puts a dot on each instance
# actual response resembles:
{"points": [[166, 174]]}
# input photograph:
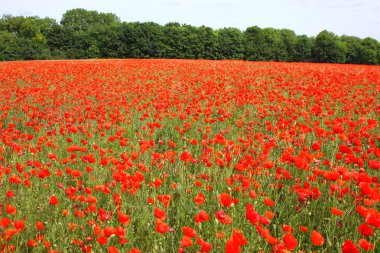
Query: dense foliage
{"points": [[83, 34], [141, 155]]}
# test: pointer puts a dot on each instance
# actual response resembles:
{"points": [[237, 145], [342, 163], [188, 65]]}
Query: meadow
{"points": [[189, 156]]}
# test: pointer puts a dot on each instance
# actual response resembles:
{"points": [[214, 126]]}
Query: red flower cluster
{"points": [[189, 156]]}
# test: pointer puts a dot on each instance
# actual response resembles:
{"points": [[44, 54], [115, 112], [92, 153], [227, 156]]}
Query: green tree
{"points": [[83, 31], [361, 51], [142, 40], [89, 34], [11, 24], [209, 41], [288, 44], [354, 49], [6, 40], [303, 49], [230, 43], [58, 39], [182, 41], [23, 39], [328, 48], [255, 44], [371, 51], [81, 20], [110, 42]]}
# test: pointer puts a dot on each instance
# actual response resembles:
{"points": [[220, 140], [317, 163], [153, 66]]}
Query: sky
{"points": [[350, 17]]}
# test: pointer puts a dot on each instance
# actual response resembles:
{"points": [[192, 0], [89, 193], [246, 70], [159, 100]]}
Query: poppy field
{"points": [[189, 156]]}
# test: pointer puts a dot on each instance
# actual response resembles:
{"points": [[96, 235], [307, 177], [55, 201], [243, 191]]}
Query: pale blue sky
{"points": [[352, 17]]}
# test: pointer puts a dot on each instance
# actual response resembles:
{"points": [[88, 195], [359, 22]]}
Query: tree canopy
{"points": [[83, 34]]}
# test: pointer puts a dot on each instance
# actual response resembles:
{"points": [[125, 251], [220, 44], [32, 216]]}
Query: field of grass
{"points": [[189, 156]]}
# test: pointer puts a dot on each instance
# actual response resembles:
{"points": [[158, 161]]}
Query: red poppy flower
{"points": [[53, 200], [317, 239], [112, 249], [366, 245], [161, 227], [40, 225], [164, 199], [10, 194], [186, 241], [336, 211], [268, 202], [102, 240], [134, 250], [19, 224], [349, 247], [225, 199], [123, 218], [289, 241], [188, 231], [202, 216], [10, 209], [199, 199], [159, 213], [365, 230], [205, 246]]}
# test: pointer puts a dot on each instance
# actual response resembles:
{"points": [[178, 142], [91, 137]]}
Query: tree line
{"points": [[83, 34]]}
